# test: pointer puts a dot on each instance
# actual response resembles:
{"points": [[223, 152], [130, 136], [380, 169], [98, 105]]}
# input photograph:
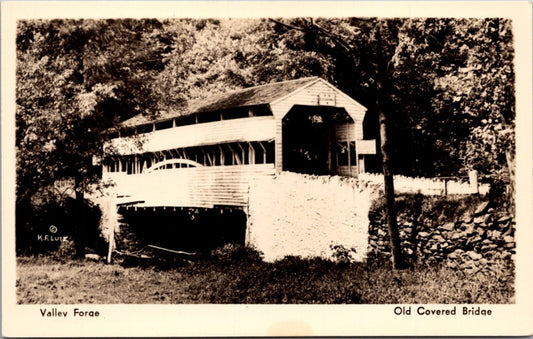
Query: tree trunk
{"points": [[509, 156], [80, 222], [381, 101]]}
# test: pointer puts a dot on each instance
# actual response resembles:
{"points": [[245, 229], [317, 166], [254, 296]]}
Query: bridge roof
{"points": [[252, 96]]}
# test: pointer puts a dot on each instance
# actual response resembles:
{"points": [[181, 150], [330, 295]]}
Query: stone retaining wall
{"points": [[472, 244]]}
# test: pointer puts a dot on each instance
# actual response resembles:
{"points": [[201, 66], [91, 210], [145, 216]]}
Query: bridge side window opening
{"points": [[345, 154], [227, 154], [164, 125]]}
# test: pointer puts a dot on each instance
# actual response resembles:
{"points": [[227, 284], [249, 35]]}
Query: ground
{"points": [[239, 276]]}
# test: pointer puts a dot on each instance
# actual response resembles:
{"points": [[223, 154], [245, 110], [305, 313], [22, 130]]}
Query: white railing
{"points": [[429, 186]]}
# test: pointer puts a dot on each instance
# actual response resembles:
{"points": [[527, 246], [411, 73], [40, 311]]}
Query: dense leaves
{"points": [[449, 83]]}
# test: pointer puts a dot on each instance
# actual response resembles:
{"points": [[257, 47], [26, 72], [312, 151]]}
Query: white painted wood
{"points": [[309, 94], [191, 187], [366, 146], [211, 133]]}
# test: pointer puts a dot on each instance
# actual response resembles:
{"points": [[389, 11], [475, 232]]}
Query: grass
{"points": [[237, 275]]}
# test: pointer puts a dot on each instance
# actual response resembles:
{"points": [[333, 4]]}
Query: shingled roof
{"points": [[252, 96]]}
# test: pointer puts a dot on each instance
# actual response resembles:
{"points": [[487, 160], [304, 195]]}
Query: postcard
{"points": [[266, 169]]}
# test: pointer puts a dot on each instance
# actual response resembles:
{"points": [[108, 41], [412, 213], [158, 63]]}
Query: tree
{"points": [[75, 79], [442, 89], [376, 63]]}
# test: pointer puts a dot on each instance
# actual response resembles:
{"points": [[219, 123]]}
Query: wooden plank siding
{"points": [[203, 187], [309, 95], [210, 133], [345, 132]]}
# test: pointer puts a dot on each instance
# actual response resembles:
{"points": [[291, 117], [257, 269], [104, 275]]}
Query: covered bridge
{"points": [[206, 155]]}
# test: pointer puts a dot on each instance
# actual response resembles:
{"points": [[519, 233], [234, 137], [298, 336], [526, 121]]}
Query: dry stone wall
{"points": [[309, 216], [471, 244]]}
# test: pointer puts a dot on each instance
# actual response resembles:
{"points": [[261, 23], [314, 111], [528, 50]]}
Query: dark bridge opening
{"points": [[190, 229], [308, 136]]}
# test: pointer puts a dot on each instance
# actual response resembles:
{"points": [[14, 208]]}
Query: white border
{"points": [[248, 320]]}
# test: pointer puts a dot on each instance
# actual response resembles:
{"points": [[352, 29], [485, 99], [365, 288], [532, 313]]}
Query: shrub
{"points": [[436, 209], [58, 218], [343, 255], [235, 253]]}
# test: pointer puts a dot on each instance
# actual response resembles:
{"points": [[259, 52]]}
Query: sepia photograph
{"points": [[261, 161]]}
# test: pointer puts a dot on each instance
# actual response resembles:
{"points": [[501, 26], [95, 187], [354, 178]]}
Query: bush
{"points": [[343, 255], [231, 254], [434, 209], [37, 223]]}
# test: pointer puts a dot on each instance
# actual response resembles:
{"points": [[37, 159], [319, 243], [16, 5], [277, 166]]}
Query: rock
{"points": [[453, 255], [481, 208], [449, 226], [496, 235], [439, 238], [483, 261], [470, 229], [509, 232], [504, 219], [91, 256], [467, 265], [434, 247], [508, 239], [473, 255], [510, 245], [486, 242], [452, 264], [423, 234], [456, 236], [479, 220], [486, 248], [505, 255]]}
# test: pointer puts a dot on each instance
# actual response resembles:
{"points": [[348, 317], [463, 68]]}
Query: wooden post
{"points": [[473, 178], [111, 242], [264, 152], [251, 153], [329, 136], [349, 158], [222, 158], [242, 153]]}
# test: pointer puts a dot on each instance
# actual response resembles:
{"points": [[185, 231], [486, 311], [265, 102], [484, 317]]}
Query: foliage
{"points": [[343, 255], [434, 209], [75, 79], [450, 92], [447, 85], [35, 220], [42, 280]]}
